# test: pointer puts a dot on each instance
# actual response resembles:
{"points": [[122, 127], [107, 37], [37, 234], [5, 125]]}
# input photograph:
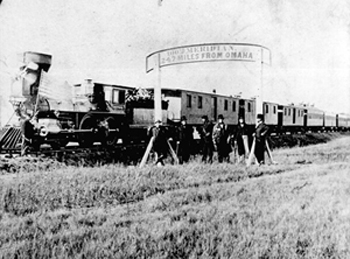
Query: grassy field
{"points": [[299, 208]]}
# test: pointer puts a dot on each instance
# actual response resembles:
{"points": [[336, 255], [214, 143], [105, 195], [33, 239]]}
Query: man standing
{"points": [[261, 131], [160, 145], [185, 137], [220, 136], [240, 136], [206, 132], [27, 131]]}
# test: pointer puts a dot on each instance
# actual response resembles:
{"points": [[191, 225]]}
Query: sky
{"points": [[109, 40]]}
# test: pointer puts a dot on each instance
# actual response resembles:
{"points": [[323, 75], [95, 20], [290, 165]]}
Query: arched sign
{"points": [[208, 53]]}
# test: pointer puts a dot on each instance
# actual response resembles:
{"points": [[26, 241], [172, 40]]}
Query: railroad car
{"points": [[314, 119], [343, 121], [194, 105], [330, 120], [270, 111], [291, 118]]}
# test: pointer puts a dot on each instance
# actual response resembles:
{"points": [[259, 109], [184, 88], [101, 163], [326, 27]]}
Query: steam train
{"points": [[93, 112]]}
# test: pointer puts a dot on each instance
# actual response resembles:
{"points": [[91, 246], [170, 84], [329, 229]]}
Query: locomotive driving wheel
{"points": [[87, 138], [112, 131]]}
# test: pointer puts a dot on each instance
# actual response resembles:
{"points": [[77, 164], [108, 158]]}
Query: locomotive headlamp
{"points": [[32, 66], [44, 131]]}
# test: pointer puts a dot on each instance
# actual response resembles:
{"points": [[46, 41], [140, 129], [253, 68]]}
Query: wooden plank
{"points": [[251, 155], [172, 153], [147, 152]]}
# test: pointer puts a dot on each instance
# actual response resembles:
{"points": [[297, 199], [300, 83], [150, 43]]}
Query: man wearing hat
{"points": [[160, 146], [261, 131], [220, 136], [207, 141], [185, 140]]}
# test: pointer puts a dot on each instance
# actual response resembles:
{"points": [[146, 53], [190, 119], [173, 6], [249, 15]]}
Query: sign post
{"points": [[208, 52], [158, 91]]}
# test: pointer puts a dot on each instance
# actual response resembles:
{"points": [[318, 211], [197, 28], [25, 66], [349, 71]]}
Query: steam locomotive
{"points": [[93, 112], [86, 113]]}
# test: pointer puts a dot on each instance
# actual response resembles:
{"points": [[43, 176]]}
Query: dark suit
{"points": [[261, 132], [220, 136], [241, 131], [28, 131], [185, 137], [160, 145], [207, 141]]}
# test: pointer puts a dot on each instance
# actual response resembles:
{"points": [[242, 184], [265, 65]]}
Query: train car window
{"points": [[285, 111], [118, 96], [274, 109], [121, 97], [225, 105], [108, 95], [189, 101], [249, 107], [200, 102], [266, 108], [289, 112], [234, 106], [115, 97]]}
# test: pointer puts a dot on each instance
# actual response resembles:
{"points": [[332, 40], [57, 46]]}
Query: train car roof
{"points": [[112, 85], [330, 113], [268, 102], [313, 109], [197, 92], [294, 106], [344, 115]]}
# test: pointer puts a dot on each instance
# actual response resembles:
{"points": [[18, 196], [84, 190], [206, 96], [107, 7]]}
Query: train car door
{"points": [[294, 115], [280, 116], [305, 118], [241, 109], [337, 120], [214, 108]]}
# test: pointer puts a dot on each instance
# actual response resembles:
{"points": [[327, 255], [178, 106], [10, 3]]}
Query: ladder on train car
{"points": [[10, 140]]}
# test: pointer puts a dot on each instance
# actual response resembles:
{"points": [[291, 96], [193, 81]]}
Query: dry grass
{"points": [[297, 209]]}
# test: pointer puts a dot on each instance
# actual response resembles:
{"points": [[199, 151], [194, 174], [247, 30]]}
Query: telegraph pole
{"points": [[260, 91]]}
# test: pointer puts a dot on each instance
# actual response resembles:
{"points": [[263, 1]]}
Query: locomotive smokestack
{"points": [[42, 60], [30, 81]]}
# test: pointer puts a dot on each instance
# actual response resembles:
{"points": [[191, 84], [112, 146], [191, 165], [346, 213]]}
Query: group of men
{"points": [[214, 137]]}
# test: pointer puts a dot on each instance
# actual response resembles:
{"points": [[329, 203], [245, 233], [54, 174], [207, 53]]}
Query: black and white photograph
{"points": [[174, 129]]}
